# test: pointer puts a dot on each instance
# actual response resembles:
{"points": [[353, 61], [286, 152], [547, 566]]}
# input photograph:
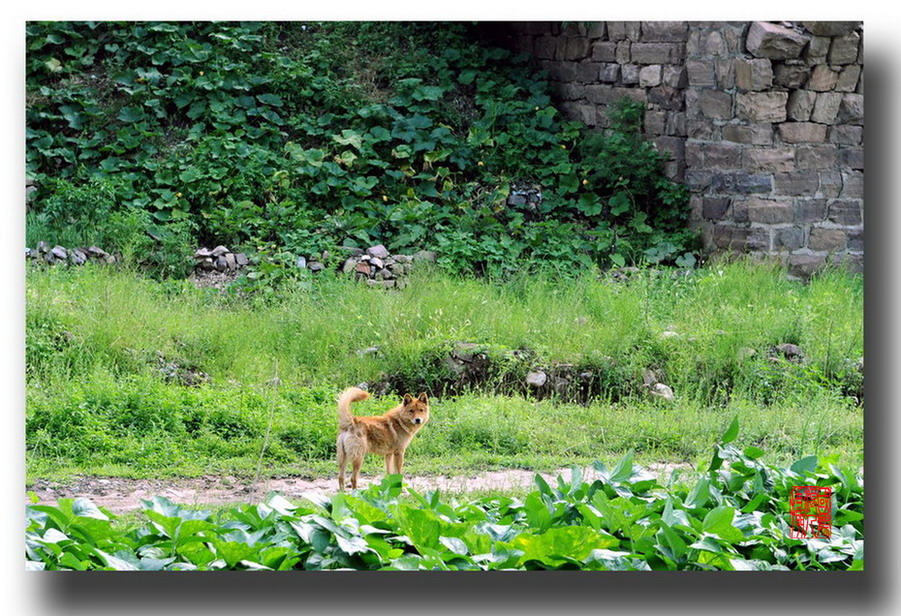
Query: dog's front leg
{"points": [[399, 462], [389, 464]]}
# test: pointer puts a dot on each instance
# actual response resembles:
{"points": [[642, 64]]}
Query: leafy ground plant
{"points": [[311, 135], [733, 518]]}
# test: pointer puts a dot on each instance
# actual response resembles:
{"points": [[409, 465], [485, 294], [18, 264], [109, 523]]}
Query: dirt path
{"points": [[121, 495]]}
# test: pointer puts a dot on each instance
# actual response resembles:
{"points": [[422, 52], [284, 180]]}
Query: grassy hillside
{"points": [[108, 353]]}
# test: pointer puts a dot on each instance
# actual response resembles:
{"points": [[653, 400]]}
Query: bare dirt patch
{"points": [[120, 495]]}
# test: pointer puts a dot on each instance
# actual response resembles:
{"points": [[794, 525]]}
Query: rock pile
{"points": [[381, 269], [76, 256], [220, 259]]}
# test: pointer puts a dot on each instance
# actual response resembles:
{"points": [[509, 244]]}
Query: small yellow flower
{"points": [[202, 73], [537, 108], [384, 197], [480, 164], [563, 147], [584, 182]]}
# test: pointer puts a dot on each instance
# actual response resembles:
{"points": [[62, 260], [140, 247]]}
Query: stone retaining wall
{"points": [[762, 120]]}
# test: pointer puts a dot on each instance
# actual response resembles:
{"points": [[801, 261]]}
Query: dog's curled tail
{"points": [[351, 394]]}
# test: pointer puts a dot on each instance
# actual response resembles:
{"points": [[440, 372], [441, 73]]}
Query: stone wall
{"points": [[762, 120]]}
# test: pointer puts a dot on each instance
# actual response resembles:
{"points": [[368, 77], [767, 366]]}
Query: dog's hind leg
{"points": [[342, 464], [356, 463], [389, 464]]}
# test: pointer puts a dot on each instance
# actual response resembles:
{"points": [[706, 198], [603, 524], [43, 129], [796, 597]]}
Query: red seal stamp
{"points": [[810, 508]]}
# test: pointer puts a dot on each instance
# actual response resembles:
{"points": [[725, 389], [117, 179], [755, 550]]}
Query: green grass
{"points": [[96, 402]]}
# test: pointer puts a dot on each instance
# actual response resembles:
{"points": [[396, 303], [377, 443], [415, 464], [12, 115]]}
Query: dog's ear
{"points": [[423, 397], [408, 398]]}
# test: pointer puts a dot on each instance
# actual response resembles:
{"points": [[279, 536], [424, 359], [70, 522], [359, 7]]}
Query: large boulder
{"points": [[769, 40]]}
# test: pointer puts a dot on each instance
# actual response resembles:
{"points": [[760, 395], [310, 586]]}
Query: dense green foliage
{"points": [[733, 518], [289, 139]]}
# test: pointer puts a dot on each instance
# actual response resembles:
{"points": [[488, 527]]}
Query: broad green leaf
{"points": [[559, 544], [805, 466], [731, 432]]}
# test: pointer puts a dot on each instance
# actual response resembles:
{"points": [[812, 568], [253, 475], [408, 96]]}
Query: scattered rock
{"points": [[378, 251], [663, 391], [218, 251], [373, 350], [791, 352], [301, 262], [59, 252], [316, 266], [536, 379], [377, 262], [241, 259]]}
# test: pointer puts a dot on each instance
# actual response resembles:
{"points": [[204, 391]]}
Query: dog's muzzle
{"points": [[418, 420]]}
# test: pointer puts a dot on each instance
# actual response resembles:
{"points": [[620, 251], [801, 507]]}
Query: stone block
{"points": [[715, 104], [822, 79], [700, 73], [805, 266], [828, 240], [826, 108], [652, 75], [848, 78], [798, 183], [675, 76], [830, 184], [845, 212], [791, 76], [774, 160], [753, 74], [725, 73], [844, 49], [810, 210], [597, 30], [818, 49], [664, 31], [655, 122], [768, 211], [588, 72], [676, 123], [846, 134], [622, 30], [665, 97], [816, 157], [603, 51], [788, 238], [699, 129], [852, 185], [800, 105], [623, 52], [851, 109], [673, 147], [762, 106], [715, 208], [855, 241], [769, 40], [630, 74], [728, 237], [609, 72], [741, 182], [577, 48], [851, 158], [657, 53], [802, 132], [722, 155], [830, 28], [756, 134]]}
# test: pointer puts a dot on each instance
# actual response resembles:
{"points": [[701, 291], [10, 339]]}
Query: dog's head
{"points": [[416, 410]]}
